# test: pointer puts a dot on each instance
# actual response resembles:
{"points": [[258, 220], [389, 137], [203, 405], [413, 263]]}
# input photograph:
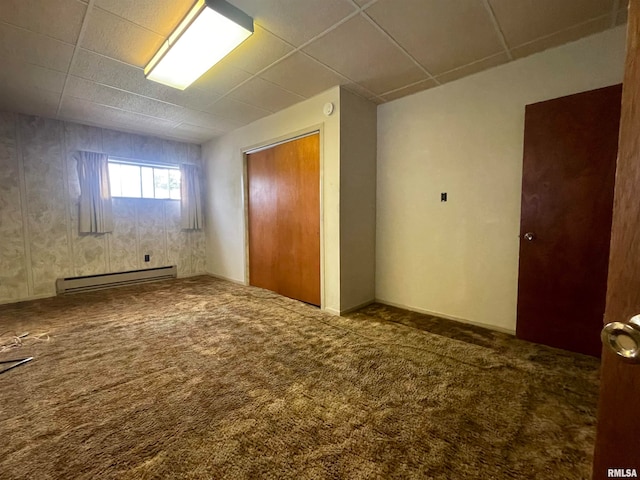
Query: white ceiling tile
{"points": [[562, 37], [197, 133], [366, 56], [361, 91], [265, 95], [456, 33], [221, 78], [104, 70], [24, 46], [238, 112], [303, 75], [410, 90], [258, 51], [31, 76], [118, 38], [112, 97], [90, 113], [523, 21], [107, 85], [160, 16], [296, 21], [210, 121], [30, 101], [472, 68], [59, 19]]}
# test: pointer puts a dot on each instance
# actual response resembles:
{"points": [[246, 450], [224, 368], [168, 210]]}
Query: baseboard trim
{"points": [[187, 275], [508, 331], [228, 279], [51, 295], [357, 307], [27, 299]]}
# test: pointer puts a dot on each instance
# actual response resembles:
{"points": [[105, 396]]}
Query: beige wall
{"points": [[39, 239], [357, 200], [459, 259], [225, 223]]}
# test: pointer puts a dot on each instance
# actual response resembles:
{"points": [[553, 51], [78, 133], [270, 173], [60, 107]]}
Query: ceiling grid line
{"points": [[395, 90], [550, 35], [82, 61], [401, 48], [497, 28], [13, 25], [299, 49], [74, 56], [124, 19]]}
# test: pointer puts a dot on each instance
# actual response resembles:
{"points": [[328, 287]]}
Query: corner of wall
{"points": [[358, 153]]}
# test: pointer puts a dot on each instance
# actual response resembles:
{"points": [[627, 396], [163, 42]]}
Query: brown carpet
{"points": [[204, 379]]}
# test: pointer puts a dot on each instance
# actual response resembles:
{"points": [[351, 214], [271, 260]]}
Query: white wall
{"points": [[357, 201], [225, 223], [459, 259]]}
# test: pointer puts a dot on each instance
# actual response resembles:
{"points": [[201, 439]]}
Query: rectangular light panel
{"points": [[202, 39]]}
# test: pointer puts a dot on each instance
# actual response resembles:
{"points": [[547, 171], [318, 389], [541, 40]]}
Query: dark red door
{"points": [[618, 438], [570, 150]]}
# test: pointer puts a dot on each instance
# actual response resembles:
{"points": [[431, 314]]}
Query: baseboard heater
{"points": [[110, 280]]}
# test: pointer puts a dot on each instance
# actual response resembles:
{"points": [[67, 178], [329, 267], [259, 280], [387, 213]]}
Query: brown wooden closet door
{"points": [[284, 218], [570, 148], [617, 441]]}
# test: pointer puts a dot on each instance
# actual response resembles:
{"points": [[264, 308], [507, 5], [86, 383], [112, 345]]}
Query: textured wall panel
{"points": [[124, 239], [40, 163], [175, 152], [198, 252], [151, 232], [46, 202], [13, 273], [147, 148], [194, 153], [116, 143], [178, 249], [49, 254]]}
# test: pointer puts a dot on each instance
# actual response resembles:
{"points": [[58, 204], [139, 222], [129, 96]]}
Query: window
{"points": [[140, 180]]}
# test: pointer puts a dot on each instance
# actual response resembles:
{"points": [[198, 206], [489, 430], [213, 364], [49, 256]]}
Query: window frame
{"points": [[145, 164]]}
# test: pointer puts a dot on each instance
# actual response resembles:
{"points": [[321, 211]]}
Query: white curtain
{"points": [[190, 198], [96, 215]]}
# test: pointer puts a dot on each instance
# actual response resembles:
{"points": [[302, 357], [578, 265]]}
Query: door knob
{"points": [[623, 339], [529, 236]]}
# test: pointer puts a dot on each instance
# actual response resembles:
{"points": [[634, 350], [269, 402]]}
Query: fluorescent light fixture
{"points": [[211, 29]]}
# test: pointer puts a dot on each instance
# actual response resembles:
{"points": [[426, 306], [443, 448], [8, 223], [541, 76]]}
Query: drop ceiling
{"points": [[83, 60]]}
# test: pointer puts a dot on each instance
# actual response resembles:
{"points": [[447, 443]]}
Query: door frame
{"points": [[246, 151]]}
